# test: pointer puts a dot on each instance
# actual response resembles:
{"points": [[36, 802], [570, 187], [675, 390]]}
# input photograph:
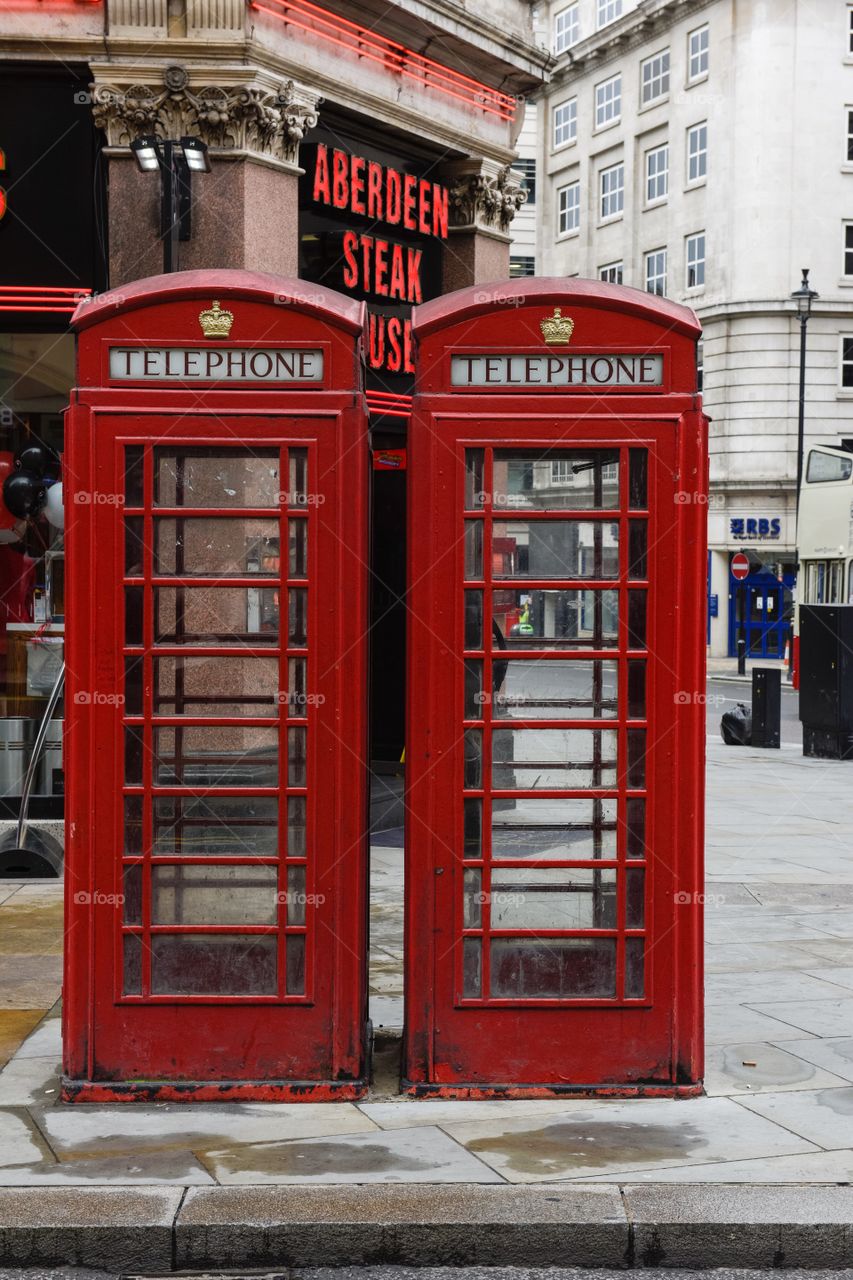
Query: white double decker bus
{"points": [[824, 532]]}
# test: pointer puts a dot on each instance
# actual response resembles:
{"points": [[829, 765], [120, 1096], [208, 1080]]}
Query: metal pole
{"points": [[169, 218], [34, 758], [741, 657], [801, 424]]}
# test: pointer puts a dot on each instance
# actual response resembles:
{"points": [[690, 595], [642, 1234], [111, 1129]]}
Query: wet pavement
{"points": [[779, 1006]]}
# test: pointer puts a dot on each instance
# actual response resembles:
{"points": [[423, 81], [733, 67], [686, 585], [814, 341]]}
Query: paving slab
{"points": [[762, 1068], [15, 1026], [20, 1141], [818, 1017], [105, 1227], [835, 1055], [822, 1116], [25, 1082], [44, 1042], [174, 1168], [418, 1155], [745, 1226], [435, 1111], [732, 1024], [782, 986], [420, 1226], [29, 981], [808, 1167]]}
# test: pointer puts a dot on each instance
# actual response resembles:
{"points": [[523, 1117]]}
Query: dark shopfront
{"points": [[50, 256], [373, 224]]}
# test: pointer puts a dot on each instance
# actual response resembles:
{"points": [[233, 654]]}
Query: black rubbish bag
{"points": [[736, 726]]}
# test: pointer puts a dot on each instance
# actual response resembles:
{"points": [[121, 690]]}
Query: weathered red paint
{"points": [[283, 1042], [593, 1029]]}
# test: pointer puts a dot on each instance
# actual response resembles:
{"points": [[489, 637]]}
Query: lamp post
{"points": [[803, 297], [176, 162]]}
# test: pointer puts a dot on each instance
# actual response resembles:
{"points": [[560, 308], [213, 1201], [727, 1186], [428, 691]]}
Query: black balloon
{"points": [[35, 458], [24, 494]]}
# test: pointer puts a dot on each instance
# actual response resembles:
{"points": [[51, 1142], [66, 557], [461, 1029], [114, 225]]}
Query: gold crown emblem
{"points": [[216, 323], [557, 329]]}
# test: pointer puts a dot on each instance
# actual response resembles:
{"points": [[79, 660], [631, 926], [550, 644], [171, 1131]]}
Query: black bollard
{"points": [[766, 707], [741, 657]]}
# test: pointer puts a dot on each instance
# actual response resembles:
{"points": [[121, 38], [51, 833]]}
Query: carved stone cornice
{"points": [[483, 196], [266, 120]]}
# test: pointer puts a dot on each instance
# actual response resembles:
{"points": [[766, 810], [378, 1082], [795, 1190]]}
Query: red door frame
{"points": [[307, 1044], [457, 1046]]}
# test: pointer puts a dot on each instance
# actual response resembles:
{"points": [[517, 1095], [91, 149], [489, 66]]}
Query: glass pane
{"points": [[635, 979], [188, 894], [637, 619], [216, 615], [635, 808], [133, 601], [198, 756], [636, 689], [635, 898], [207, 477], [297, 747], [133, 686], [473, 899], [555, 549], [473, 824], [473, 479], [473, 548], [636, 758], [638, 479], [473, 758], [134, 548], [551, 898], [203, 964], [472, 968], [553, 829], [132, 894], [474, 696], [637, 544], [556, 968], [298, 545], [540, 690], [297, 495], [296, 846], [132, 948], [133, 475], [544, 619], [296, 900], [297, 686], [297, 624], [133, 824], [559, 759], [473, 619], [227, 547], [215, 686], [216, 826], [556, 479], [133, 748], [295, 955]]}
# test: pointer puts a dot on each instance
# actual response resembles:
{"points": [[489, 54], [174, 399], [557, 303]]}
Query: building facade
{"points": [[703, 149]]}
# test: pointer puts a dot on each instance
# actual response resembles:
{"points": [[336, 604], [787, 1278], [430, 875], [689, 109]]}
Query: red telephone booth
{"points": [[556, 699], [216, 481]]}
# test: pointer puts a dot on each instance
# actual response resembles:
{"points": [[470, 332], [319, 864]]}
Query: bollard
{"points": [[766, 707], [741, 657]]}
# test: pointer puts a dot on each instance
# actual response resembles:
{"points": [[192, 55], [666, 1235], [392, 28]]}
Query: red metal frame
{"points": [[648, 1043], [295, 1040]]}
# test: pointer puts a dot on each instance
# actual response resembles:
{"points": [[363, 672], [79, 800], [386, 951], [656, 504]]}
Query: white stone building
{"points": [[704, 148]]}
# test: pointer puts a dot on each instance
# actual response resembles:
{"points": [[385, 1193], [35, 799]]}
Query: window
{"points": [[697, 53], [656, 271], [850, 28], [657, 174], [613, 190], [654, 77], [521, 267], [561, 471], [568, 208], [608, 11], [567, 30], [700, 364], [850, 131], [697, 152], [566, 122], [695, 260], [848, 248], [611, 273], [526, 169], [823, 467], [608, 101], [847, 361]]}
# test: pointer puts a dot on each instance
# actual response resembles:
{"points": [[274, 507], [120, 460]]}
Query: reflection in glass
{"points": [[297, 495], [635, 898], [297, 753], [297, 627], [132, 964], [133, 751], [133, 686], [224, 547], [554, 968], [473, 773], [133, 475], [558, 759], [134, 548], [296, 820], [298, 543], [472, 968], [554, 829], [473, 899], [132, 888], [473, 619], [537, 690], [637, 548], [635, 978], [576, 618], [133, 824], [186, 893], [552, 898], [217, 756], [636, 689], [202, 476], [473, 689], [473, 479], [638, 479], [556, 479], [637, 619], [215, 615], [636, 758], [296, 899], [635, 809], [473, 827], [220, 686], [133, 601], [473, 548], [202, 964], [295, 956], [215, 826], [555, 549]]}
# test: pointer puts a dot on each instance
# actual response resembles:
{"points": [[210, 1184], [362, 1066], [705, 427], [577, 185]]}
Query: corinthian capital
{"points": [[266, 118], [483, 195]]}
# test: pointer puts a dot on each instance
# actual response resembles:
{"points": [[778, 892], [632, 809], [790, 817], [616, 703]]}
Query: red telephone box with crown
{"points": [[556, 719], [216, 486]]}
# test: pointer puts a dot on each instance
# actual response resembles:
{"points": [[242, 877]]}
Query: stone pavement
{"points": [[779, 1104]]}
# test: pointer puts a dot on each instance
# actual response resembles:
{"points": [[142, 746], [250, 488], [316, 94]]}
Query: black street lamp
{"points": [[176, 161], [803, 297]]}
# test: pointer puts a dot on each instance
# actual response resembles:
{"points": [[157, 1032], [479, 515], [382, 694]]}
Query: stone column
{"points": [[484, 197], [245, 212]]}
